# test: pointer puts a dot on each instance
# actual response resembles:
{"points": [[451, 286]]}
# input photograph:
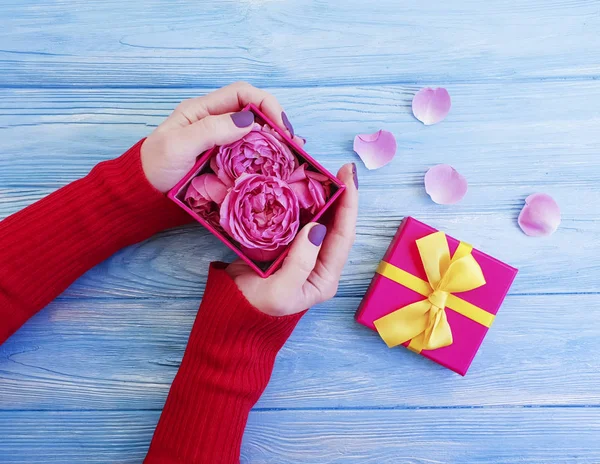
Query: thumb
{"points": [[214, 130], [301, 260]]}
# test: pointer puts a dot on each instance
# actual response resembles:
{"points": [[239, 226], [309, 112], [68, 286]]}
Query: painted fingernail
{"points": [[243, 118], [303, 139], [317, 234], [287, 123], [354, 175]]}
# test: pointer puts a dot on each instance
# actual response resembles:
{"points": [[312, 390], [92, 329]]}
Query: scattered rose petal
{"points": [[431, 106], [540, 216], [445, 185], [376, 150]]}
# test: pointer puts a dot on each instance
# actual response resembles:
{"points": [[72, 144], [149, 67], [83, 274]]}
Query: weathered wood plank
{"points": [[111, 354], [532, 134], [460, 436], [303, 42]]}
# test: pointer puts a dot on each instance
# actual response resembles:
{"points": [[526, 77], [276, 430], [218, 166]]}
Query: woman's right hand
{"points": [[311, 271]]}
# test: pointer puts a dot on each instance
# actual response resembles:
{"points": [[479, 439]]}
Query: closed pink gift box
{"points": [[385, 296], [177, 194]]}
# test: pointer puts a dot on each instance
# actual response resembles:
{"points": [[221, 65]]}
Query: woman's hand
{"points": [[311, 271], [199, 124]]}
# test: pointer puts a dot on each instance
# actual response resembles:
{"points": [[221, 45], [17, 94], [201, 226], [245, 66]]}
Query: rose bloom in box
{"points": [[257, 193], [435, 295]]}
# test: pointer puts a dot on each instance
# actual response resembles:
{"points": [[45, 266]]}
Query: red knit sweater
{"points": [[232, 346]]}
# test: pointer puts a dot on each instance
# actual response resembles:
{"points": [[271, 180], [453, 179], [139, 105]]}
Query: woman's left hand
{"points": [[198, 124]]}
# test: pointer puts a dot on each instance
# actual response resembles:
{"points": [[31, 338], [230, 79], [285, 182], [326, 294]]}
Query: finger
{"points": [[238, 268], [301, 259], [266, 103], [203, 135], [340, 238], [231, 98], [300, 140]]}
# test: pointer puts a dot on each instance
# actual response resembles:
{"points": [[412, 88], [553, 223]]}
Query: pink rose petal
{"points": [[215, 189], [445, 185], [312, 189], [298, 175], [540, 216], [205, 189], [431, 106], [376, 150], [302, 192]]}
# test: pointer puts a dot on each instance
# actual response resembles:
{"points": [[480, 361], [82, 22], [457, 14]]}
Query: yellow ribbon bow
{"points": [[424, 323]]}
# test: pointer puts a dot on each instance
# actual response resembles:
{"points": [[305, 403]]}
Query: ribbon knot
{"points": [[424, 323], [438, 298]]}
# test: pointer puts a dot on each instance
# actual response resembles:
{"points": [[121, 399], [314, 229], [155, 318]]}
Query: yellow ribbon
{"points": [[424, 323]]}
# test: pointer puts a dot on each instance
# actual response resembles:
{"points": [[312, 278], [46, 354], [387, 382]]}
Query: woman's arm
{"points": [[241, 325], [243, 321], [49, 244], [227, 365]]}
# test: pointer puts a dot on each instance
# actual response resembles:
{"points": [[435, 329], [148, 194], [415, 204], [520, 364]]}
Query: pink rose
{"points": [[261, 212], [311, 188], [204, 193], [261, 151]]}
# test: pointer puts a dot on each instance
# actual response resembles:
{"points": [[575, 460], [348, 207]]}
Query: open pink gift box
{"points": [[264, 269], [386, 296]]}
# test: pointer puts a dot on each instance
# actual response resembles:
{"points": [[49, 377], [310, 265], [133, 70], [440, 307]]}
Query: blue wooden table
{"points": [[80, 81]]}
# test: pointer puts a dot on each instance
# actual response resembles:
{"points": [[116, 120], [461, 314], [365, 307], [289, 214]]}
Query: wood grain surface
{"points": [[80, 82], [409, 436], [299, 43], [111, 354]]}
